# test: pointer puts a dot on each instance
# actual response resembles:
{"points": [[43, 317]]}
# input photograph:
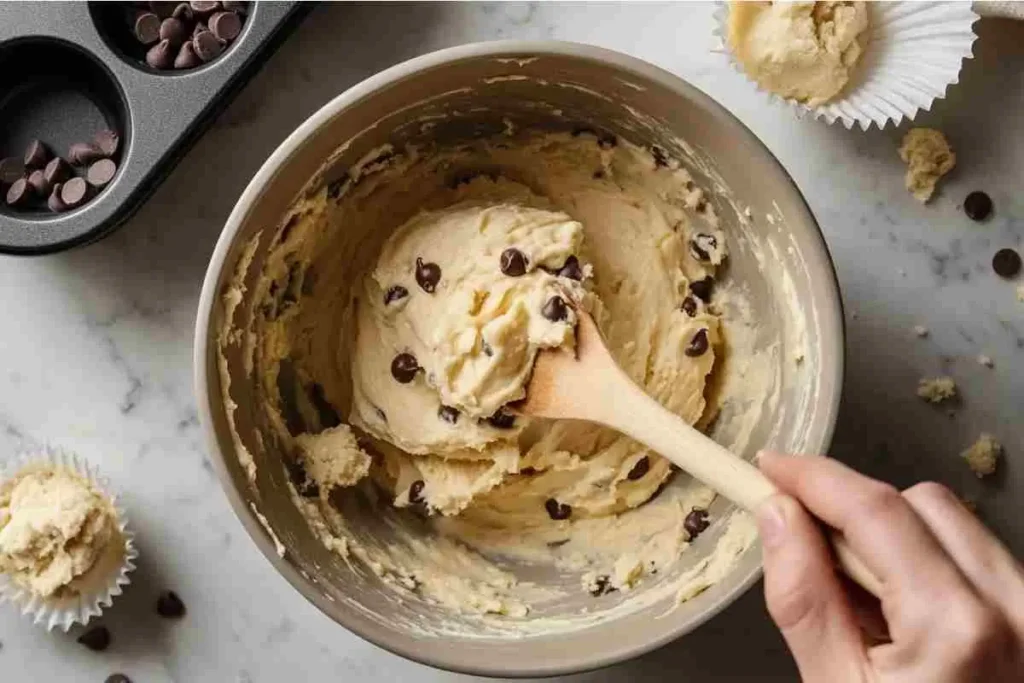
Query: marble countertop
{"points": [[97, 342]]}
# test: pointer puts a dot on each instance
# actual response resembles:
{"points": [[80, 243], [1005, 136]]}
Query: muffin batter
{"points": [[804, 51], [482, 254]]}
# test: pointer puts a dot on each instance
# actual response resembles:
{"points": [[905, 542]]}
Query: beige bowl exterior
{"points": [[575, 84]]}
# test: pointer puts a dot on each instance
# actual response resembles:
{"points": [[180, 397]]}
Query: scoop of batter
{"points": [[803, 51]]}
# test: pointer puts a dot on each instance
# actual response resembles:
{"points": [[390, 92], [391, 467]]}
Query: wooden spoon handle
{"points": [[626, 408]]}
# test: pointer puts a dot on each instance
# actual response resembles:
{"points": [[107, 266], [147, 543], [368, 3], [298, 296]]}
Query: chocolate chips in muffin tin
{"points": [[170, 606], [96, 639], [187, 36]]}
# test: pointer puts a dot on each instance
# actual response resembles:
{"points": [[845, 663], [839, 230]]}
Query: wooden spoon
{"points": [[589, 385]]}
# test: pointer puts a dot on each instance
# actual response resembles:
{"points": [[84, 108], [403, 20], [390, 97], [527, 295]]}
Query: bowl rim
{"points": [[204, 344]]}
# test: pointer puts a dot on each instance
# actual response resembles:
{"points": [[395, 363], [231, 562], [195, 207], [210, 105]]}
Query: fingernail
{"points": [[771, 523]]}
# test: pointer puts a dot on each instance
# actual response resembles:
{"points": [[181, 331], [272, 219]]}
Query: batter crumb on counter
{"points": [[936, 389], [929, 157], [986, 361], [1020, 292], [983, 455], [921, 331]]}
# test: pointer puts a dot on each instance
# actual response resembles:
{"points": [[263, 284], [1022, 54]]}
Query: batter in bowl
{"points": [[405, 375]]}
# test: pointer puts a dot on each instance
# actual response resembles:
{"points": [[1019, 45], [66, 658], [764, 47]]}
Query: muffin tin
{"points": [[69, 69]]}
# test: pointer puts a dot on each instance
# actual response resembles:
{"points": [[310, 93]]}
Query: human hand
{"points": [[952, 600]]}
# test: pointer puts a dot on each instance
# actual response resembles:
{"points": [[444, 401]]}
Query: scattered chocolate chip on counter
{"points": [[978, 206], [170, 606], [96, 639], [1006, 263]]}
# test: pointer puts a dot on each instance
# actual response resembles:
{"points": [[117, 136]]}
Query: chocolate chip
{"points": [[702, 288], [11, 169], [36, 155], [84, 153], [689, 306], [306, 487], [173, 30], [486, 348], [502, 419], [108, 141], [74, 192], [607, 141], [696, 522], [160, 56], [978, 206], [1006, 263], [448, 414], [146, 28], [395, 293], [20, 193], [117, 678], [555, 310], [40, 186], [701, 246], [416, 492], [404, 368], [187, 57], [334, 188], [660, 160], [96, 639], [642, 467], [427, 275], [170, 606], [698, 345], [54, 202], [602, 586], [557, 511], [571, 269], [207, 47], [226, 25], [183, 13], [204, 6], [56, 171], [199, 28], [381, 414], [598, 174], [101, 173], [528, 471], [513, 262]]}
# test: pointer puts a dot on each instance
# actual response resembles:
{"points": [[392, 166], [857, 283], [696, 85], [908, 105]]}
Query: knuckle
{"points": [[880, 501], [977, 633], [928, 490], [790, 601]]}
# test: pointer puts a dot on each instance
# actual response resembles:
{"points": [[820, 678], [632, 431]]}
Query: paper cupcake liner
{"points": [[913, 52], [65, 612]]}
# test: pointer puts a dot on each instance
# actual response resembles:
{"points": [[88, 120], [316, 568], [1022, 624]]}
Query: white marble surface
{"points": [[96, 343]]}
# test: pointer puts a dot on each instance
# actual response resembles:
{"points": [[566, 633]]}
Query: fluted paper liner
{"points": [[104, 581], [913, 52]]}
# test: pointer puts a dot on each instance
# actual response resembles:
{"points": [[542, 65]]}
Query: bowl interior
{"points": [[779, 272]]}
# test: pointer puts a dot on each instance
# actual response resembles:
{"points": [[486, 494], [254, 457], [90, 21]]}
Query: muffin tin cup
{"points": [[113, 567], [69, 71]]}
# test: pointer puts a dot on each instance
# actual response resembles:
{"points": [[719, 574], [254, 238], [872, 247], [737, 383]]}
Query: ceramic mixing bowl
{"points": [[778, 260]]}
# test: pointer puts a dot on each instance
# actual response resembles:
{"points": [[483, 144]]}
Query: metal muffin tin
{"points": [[70, 69]]}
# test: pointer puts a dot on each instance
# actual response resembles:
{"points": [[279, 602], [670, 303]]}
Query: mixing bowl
{"points": [[779, 265]]}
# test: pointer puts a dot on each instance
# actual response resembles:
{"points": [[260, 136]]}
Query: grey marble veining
{"points": [[97, 342]]}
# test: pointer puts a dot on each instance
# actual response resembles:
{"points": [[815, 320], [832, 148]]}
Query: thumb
{"points": [[805, 597]]}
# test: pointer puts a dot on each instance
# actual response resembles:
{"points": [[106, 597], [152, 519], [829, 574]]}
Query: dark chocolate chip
{"points": [[96, 639], [698, 345], [11, 169], [395, 293], [416, 492], [689, 306], [173, 30], [183, 13], [1006, 263], [571, 269], [486, 348], [20, 193], [334, 188], [602, 586], [160, 56], [978, 206], [108, 141], [74, 192], [528, 471], [40, 186], [306, 487], [146, 28], [381, 414], [642, 467], [427, 275], [701, 246], [660, 160], [702, 288], [84, 153], [696, 522], [36, 155], [226, 26], [54, 202], [555, 310], [204, 6], [557, 511], [598, 174], [101, 173], [199, 28], [513, 262], [448, 414], [117, 678], [170, 606], [187, 57], [207, 47], [57, 171], [404, 368], [502, 420]]}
